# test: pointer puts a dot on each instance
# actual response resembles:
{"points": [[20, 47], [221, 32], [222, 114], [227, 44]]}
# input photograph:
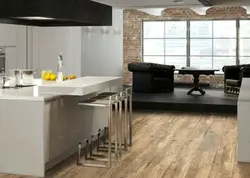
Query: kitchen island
{"points": [[42, 125], [243, 122]]}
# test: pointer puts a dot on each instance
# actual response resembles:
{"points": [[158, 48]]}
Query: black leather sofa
{"points": [[150, 77], [233, 77]]}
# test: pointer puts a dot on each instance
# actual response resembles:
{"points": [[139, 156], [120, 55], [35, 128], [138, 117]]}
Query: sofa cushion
{"points": [[233, 83]]}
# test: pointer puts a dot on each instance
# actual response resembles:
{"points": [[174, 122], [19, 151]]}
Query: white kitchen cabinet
{"points": [[243, 122], [8, 35], [13, 41], [102, 48], [11, 60], [49, 42], [57, 123]]}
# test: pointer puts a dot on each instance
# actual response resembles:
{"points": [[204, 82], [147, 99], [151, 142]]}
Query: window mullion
{"points": [[212, 44], [164, 43], [237, 42], [188, 44]]}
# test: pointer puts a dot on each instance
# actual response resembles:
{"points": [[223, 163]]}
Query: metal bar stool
{"points": [[126, 121], [129, 95], [108, 102]]}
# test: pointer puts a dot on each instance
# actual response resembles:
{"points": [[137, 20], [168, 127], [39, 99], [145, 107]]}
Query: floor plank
{"points": [[181, 162], [203, 160], [224, 160], [170, 145]]}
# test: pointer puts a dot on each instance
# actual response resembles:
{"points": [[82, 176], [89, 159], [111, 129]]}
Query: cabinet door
{"points": [[11, 59], [8, 35], [56, 129]]}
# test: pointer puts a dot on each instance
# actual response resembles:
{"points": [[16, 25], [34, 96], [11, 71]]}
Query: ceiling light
{"points": [[34, 18], [178, 1]]}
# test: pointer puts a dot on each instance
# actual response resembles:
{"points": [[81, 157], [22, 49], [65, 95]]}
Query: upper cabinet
{"points": [[49, 42], [9, 34], [13, 40]]}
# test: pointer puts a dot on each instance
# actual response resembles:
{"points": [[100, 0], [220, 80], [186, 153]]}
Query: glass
{"points": [[201, 29], [244, 60], [201, 47], [201, 62], [153, 47], [153, 29], [178, 62], [224, 47], [224, 28], [220, 62], [244, 47], [43, 74], [176, 47], [176, 29], [244, 28], [154, 59]]}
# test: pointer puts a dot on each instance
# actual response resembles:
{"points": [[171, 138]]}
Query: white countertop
{"points": [[46, 90], [244, 95]]}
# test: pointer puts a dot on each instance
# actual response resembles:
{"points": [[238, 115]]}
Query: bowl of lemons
{"points": [[50, 76]]}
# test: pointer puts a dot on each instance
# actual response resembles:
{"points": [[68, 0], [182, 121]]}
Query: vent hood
{"points": [[55, 13]]}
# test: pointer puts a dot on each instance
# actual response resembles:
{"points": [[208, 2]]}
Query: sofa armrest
{"points": [[231, 68], [245, 71], [232, 72]]}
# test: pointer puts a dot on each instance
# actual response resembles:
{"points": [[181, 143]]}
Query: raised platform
{"points": [[213, 101]]}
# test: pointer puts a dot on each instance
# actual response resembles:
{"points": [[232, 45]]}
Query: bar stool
{"points": [[113, 125], [126, 121], [129, 92]]}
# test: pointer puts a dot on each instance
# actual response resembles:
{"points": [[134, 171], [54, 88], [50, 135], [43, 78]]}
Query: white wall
{"points": [[102, 54]]}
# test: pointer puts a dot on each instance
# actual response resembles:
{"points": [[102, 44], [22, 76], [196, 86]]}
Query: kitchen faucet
{"points": [[60, 69]]}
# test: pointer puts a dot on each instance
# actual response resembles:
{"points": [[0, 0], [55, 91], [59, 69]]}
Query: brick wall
{"points": [[132, 34]]}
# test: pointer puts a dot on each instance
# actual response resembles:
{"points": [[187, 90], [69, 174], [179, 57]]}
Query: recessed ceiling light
{"points": [[178, 1], [34, 18]]}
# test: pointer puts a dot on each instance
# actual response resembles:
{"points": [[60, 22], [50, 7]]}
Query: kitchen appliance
{"points": [[18, 78], [2, 59], [55, 13], [27, 77], [15, 77]]}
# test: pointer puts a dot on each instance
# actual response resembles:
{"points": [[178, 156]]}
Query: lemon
{"points": [[72, 76], [53, 77], [47, 77]]}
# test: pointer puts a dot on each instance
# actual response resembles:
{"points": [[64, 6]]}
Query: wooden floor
{"points": [[171, 145]]}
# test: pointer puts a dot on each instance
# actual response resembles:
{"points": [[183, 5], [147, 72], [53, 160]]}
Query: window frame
{"points": [[188, 39], [239, 40], [164, 38]]}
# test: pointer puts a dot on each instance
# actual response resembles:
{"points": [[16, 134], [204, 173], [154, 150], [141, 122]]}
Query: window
{"points": [[210, 45], [244, 44], [165, 42], [203, 44]]}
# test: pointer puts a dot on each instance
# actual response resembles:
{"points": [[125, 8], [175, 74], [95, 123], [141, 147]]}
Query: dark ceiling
{"points": [[55, 13]]}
